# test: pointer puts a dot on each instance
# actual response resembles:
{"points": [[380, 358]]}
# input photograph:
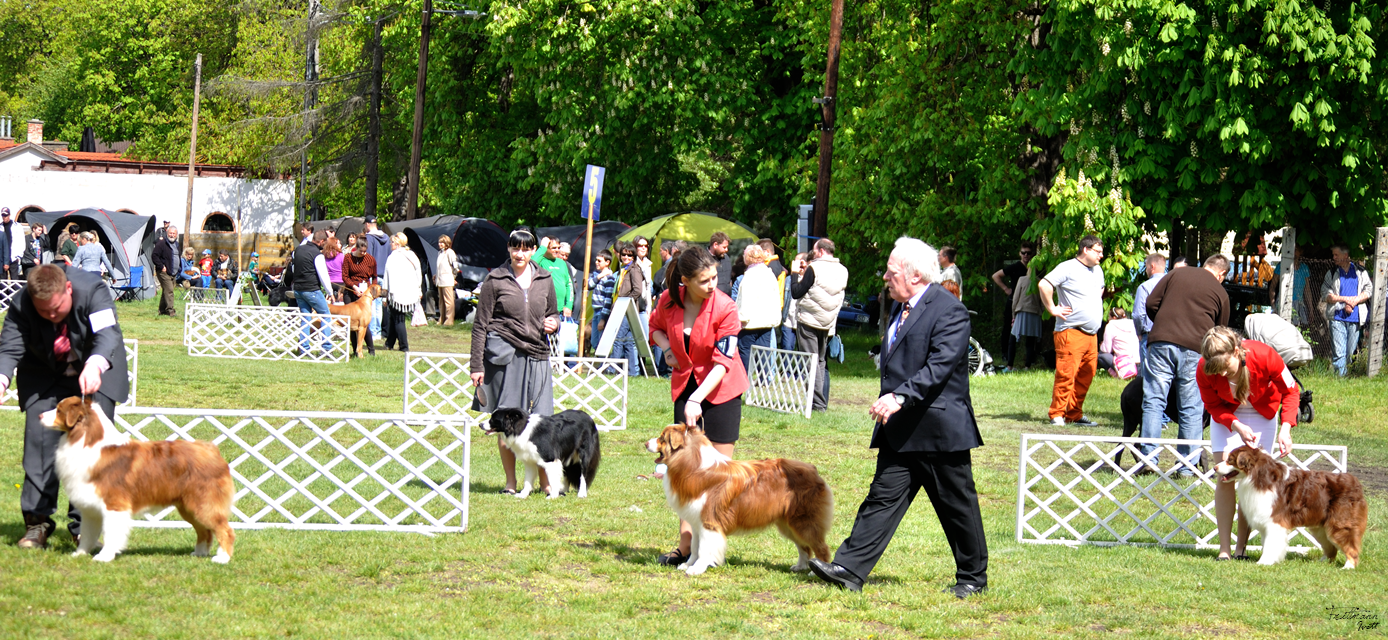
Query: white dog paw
{"points": [[104, 557], [683, 566], [799, 567], [696, 570], [221, 557], [79, 553]]}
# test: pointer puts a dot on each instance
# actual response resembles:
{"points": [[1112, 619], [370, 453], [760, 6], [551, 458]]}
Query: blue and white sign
{"points": [[592, 191]]}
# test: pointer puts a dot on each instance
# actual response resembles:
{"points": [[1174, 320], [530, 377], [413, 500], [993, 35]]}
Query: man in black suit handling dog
{"points": [[924, 429], [60, 339]]}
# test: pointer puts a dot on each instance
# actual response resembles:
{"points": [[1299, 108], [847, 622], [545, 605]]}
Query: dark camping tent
{"points": [[604, 232], [128, 238], [481, 247], [343, 227]]}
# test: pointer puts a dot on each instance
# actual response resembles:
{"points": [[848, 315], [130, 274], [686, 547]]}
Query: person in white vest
{"points": [[819, 290]]}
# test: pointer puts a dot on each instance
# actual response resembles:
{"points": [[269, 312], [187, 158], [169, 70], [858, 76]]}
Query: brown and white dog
{"points": [[111, 479], [358, 313], [719, 496], [1275, 499]]}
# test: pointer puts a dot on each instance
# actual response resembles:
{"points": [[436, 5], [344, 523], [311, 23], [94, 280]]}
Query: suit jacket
{"points": [[166, 255], [928, 364], [26, 342]]}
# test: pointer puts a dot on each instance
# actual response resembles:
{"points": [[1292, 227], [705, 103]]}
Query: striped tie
{"points": [[900, 324]]}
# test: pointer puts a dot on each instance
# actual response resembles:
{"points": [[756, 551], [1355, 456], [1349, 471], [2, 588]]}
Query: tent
{"points": [[481, 247], [694, 227], [604, 233], [128, 238], [343, 227]]}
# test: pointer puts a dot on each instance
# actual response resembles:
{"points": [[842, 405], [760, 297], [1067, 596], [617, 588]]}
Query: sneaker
{"points": [[1058, 421], [1084, 421], [35, 537]]}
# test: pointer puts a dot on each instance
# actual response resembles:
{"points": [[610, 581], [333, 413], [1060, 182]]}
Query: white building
{"points": [[48, 177]]}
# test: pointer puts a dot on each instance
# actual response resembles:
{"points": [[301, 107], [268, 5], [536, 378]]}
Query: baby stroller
{"points": [[1285, 338]]}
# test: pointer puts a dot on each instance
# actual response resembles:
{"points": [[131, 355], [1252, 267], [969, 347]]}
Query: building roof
{"points": [[89, 162]]}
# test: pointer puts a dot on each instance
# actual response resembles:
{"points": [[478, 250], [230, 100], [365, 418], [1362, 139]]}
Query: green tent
{"points": [[694, 227]]}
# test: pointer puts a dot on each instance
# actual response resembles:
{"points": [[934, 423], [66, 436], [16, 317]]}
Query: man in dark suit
{"points": [[924, 429], [60, 339]]}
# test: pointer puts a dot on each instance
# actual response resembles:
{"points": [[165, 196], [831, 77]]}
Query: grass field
{"points": [[571, 568]]}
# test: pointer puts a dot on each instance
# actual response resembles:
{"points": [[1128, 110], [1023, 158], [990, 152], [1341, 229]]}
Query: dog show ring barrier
{"points": [[263, 333], [204, 295], [1072, 490], [439, 384], [132, 368], [781, 380], [326, 470], [8, 289]]}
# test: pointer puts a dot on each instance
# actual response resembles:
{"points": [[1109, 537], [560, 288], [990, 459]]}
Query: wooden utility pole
{"points": [[373, 135], [1376, 302], [819, 226], [310, 101], [417, 137], [193, 151]]}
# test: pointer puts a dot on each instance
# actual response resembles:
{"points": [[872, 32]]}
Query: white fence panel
{"points": [[595, 386], [332, 471], [439, 384], [132, 365], [201, 295], [264, 333], [1072, 490], [8, 289], [781, 380]]}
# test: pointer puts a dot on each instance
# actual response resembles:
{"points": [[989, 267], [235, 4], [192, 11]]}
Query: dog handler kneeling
{"points": [[708, 379], [1243, 384]]}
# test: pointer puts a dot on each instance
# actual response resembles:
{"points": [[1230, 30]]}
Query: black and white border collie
{"points": [[565, 444]]}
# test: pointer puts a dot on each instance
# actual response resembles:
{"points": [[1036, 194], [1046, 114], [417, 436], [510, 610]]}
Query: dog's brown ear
{"points": [[674, 435]]}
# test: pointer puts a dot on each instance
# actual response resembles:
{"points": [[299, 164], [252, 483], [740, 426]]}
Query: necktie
{"points": [[905, 313], [62, 346]]}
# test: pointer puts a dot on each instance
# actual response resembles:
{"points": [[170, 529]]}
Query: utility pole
{"points": [[417, 138], [373, 135], [193, 150], [310, 101], [820, 222]]}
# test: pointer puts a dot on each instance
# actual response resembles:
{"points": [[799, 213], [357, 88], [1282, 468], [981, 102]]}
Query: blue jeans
{"points": [[224, 283], [312, 302], [1167, 364], [594, 334], [787, 337], [625, 347], [749, 338], [1345, 338]]}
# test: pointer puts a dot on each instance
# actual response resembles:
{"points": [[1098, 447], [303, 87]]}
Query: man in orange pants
{"points": [[1080, 285]]}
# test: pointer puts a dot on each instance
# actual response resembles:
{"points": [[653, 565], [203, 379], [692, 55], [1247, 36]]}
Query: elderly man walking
{"points": [[1080, 284], [166, 263], [1184, 306]]}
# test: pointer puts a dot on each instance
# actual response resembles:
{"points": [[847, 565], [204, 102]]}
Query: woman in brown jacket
{"points": [[358, 270], [517, 309]]}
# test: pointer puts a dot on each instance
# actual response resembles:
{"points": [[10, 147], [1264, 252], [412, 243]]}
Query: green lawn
{"points": [[587, 568]]}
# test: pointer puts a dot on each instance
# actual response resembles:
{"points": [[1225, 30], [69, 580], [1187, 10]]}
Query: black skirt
{"points": [[721, 421]]}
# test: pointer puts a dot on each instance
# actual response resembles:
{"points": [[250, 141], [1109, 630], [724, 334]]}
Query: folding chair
{"points": [[134, 284]]}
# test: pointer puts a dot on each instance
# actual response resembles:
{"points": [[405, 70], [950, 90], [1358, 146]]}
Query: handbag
{"points": [[418, 319], [497, 351], [568, 338]]}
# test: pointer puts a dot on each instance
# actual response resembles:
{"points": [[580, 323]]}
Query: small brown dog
{"points": [[359, 312]]}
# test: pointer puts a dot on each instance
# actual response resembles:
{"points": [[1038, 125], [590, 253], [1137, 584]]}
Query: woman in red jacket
{"points": [[1243, 383], [708, 378]]}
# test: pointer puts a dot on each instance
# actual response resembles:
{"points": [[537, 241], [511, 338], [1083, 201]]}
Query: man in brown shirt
{"points": [[1183, 307]]}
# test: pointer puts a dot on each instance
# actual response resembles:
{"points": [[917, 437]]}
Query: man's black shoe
{"points": [[963, 591], [836, 575]]}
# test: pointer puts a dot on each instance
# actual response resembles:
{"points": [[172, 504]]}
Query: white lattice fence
{"points": [[334, 471], [132, 367], [202, 295], [8, 289], [595, 386], [781, 380], [439, 384], [264, 333], [1071, 490]]}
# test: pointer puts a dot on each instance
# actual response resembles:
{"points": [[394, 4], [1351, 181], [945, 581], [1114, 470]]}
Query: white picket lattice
{"points": [[439, 384], [132, 366], [1072, 491], [8, 289], [595, 386], [781, 380], [263, 333], [332, 471], [202, 295]]}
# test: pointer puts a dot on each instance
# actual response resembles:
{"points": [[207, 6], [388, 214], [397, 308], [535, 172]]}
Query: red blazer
{"points": [[717, 320], [1270, 385]]}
